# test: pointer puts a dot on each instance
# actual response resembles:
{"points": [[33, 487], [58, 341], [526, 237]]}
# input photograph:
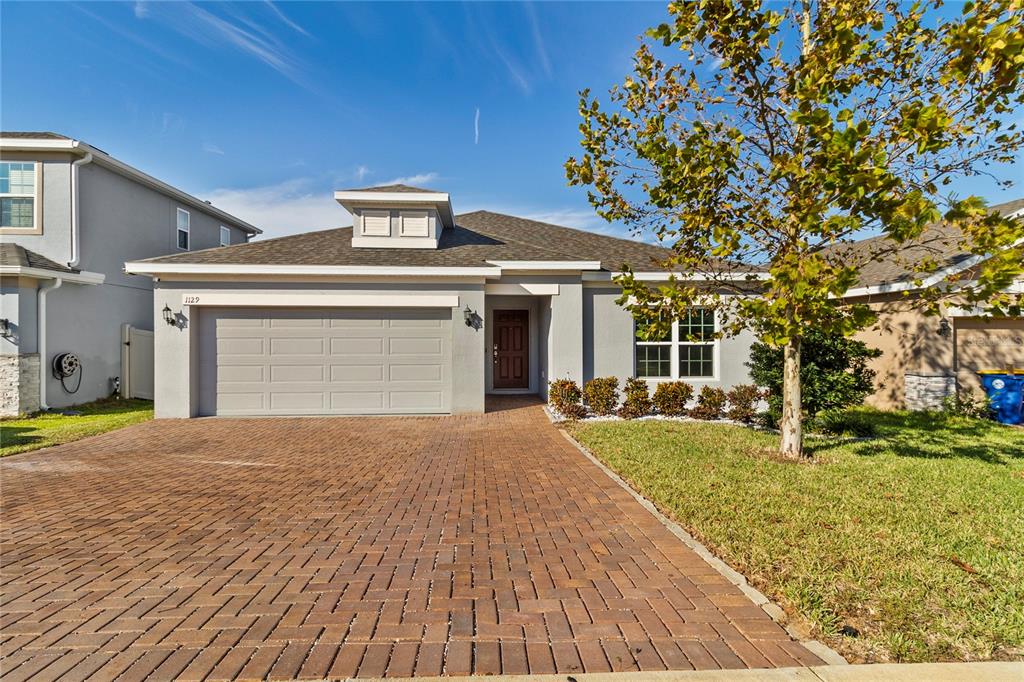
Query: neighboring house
{"points": [[71, 216], [927, 358], [412, 310]]}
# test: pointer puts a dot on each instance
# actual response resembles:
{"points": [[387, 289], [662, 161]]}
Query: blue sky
{"points": [[267, 108]]}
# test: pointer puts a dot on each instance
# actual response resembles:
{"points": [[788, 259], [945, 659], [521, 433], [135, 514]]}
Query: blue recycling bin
{"points": [[1006, 394]]}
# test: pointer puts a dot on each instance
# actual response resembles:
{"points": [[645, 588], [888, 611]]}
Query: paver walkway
{"points": [[339, 547]]}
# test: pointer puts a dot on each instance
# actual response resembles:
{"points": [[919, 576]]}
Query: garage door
{"points": [[307, 361]]}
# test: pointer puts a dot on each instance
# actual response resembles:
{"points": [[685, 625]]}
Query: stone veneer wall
{"points": [[926, 392], [19, 384]]}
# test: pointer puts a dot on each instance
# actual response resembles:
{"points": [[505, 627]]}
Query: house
{"points": [[414, 310], [928, 358], [71, 216]]}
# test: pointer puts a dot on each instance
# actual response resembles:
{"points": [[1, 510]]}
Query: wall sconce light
{"points": [[468, 315], [169, 316], [944, 327], [5, 327]]}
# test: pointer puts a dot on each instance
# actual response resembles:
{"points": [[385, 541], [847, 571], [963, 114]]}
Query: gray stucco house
{"points": [[411, 310], [70, 216]]}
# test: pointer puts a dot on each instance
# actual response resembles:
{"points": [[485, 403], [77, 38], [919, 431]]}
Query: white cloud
{"points": [[361, 172], [418, 179], [284, 18], [289, 207], [211, 148], [141, 9], [476, 127]]}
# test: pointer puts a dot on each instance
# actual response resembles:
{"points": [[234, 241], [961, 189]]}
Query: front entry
{"points": [[511, 352]]}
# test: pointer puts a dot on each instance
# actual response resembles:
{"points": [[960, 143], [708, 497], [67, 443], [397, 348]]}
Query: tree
{"points": [[793, 128], [834, 372]]}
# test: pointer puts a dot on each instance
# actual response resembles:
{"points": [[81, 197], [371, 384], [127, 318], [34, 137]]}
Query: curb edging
{"points": [[826, 653]]}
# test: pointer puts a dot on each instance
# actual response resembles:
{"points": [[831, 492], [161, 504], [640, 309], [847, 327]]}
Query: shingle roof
{"points": [[390, 188], [17, 134], [15, 255], [939, 242], [478, 237]]}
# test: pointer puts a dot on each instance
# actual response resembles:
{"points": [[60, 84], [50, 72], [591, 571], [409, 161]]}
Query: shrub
{"points": [[672, 397], [564, 395], [601, 395], [969, 405], [637, 402], [743, 401], [845, 423], [833, 373], [710, 403]]}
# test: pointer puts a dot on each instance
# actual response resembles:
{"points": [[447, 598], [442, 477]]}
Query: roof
{"points": [[939, 241], [476, 239], [55, 142], [22, 135], [15, 255], [392, 188]]}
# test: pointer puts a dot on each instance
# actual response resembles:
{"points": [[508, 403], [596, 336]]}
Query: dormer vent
{"points": [[397, 216]]}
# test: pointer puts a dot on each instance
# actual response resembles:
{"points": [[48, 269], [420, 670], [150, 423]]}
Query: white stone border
{"points": [[774, 611]]}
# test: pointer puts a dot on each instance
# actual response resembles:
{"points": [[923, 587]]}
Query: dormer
{"points": [[397, 216]]}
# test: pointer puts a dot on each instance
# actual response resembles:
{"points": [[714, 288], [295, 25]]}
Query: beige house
{"points": [[926, 358]]}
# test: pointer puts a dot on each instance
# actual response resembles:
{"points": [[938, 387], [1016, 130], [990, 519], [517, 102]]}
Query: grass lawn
{"points": [[909, 547], [46, 429]]}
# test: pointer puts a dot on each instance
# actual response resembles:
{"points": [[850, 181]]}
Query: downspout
{"points": [[76, 250], [41, 338]]}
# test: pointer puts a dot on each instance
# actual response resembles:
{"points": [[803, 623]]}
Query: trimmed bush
{"points": [[743, 401], [564, 395], [601, 395], [637, 402], [672, 397], [710, 403]]}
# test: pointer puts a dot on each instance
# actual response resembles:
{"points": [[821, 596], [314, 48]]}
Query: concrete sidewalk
{"points": [[887, 672]]}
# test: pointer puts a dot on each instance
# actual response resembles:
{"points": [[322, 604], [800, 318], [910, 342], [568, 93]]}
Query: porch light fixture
{"points": [[5, 327], [468, 315], [169, 316], [944, 328]]}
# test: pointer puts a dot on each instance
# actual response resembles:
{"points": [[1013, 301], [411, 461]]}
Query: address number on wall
{"points": [[189, 300]]}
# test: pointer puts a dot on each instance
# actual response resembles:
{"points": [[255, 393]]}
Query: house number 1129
{"points": [[190, 300]]}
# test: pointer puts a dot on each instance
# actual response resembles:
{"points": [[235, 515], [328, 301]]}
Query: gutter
{"points": [[41, 338], [76, 238]]}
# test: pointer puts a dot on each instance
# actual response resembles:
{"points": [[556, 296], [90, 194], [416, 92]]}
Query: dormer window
{"points": [[415, 224], [376, 223]]}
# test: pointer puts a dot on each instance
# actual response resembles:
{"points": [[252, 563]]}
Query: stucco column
{"points": [[174, 367], [469, 354], [565, 333]]}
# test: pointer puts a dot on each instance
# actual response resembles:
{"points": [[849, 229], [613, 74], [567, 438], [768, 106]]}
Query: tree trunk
{"points": [[791, 427]]}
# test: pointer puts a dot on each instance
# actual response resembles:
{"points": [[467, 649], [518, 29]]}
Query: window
{"points": [[687, 351], [183, 229], [225, 236], [18, 195]]}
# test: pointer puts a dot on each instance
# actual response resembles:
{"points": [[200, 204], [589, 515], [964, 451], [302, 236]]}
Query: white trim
{"points": [[574, 265], [41, 273], [148, 268], [523, 289], [104, 159], [225, 230], [187, 230], [360, 241], [358, 196], [698, 277], [318, 300]]}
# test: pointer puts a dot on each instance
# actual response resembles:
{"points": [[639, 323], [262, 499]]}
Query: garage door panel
{"points": [[327, 361]]}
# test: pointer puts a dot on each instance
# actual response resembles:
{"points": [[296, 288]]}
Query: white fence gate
{"points": [[136, 362]]}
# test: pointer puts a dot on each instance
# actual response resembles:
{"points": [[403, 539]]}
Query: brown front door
{"points": [[511, 352]]}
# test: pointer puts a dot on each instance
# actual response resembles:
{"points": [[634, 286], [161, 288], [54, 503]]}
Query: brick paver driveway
{"points": [[338, 547]]}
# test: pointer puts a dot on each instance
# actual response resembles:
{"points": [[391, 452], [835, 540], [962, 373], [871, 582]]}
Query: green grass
{"points": [[914, 539], [46, 429]]}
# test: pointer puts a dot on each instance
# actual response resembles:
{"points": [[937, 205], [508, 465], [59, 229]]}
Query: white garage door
{"points": [[309, 361]]}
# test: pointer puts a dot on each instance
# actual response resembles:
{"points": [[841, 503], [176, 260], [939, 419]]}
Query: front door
{"points": [[511, 352]]}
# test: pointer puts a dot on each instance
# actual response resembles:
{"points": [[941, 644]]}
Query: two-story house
{"points": [[70, 216]]}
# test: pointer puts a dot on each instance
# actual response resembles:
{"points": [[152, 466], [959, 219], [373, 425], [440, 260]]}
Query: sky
{"points": [[265, 109]]}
